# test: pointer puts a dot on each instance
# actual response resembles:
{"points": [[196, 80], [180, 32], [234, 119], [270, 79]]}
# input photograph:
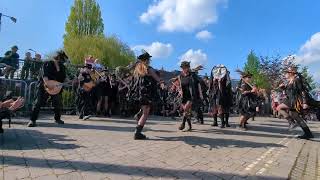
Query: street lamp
{"points": [[13, 19]]}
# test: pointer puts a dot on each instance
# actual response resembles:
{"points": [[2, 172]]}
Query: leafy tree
{"points": [[84, 20], [271, 67], [308, 77], [109, 50], [253, 66], [84, 36]]}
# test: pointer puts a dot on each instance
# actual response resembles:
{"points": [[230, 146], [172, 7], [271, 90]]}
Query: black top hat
{"points": [[185, 64], [14, 47], [144, 56], [247, 74]]}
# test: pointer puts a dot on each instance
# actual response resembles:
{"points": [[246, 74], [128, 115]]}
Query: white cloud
{"points": [[204, 35], [156, 49], [309, 53], [195, 57], [182, 15]]}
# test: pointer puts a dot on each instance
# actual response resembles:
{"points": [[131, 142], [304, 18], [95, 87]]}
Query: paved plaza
{"points": [[103, 148]]}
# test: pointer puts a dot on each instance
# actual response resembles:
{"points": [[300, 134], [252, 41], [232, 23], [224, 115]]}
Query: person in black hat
{"points": [[11, 60], [143, 86], [248, 102], [190, 91], [297, 100], [52, 70]]}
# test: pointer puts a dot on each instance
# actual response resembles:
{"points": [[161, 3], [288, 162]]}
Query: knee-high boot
{"points": [[183, 124], [222, 121], [226, 118], [215, 120], [138, 135]]}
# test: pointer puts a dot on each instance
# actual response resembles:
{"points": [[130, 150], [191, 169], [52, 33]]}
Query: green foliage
{"points": [[271, 67], [308, 77], [109, 50], [253, 66], [68, 98], [84, 36], [85, 19]]}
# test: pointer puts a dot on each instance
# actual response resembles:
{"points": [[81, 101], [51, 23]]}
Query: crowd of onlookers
{"points": [[10, 64]]}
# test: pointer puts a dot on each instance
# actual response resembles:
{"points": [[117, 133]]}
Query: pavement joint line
{"points": [[268, 152]]}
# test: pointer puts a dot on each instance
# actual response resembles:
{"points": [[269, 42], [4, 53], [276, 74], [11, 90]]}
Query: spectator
{"points": [[11, 60], [36, 67], [7, 107], [26, 66]]}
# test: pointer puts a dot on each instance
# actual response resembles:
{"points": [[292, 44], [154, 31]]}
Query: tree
{"points": [[253, 66], [84, 36], [271, 67], [308, 77], [109, 50], [84, 20]]}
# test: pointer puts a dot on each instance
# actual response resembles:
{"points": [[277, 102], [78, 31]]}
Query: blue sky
{"points": [[228, 29]]}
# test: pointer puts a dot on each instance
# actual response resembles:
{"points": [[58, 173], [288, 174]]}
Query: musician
{"points": [[296, 101], [104, 92], [220, 92], [190, 91], [11, 60], [114, 90], [52, 70], [144, 78], [26, 66], [86, 97], [248, 102]]}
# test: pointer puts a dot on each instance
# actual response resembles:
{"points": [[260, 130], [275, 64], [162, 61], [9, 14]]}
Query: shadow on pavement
{"points": [[212, 143], [17, 139], [143, 171]]}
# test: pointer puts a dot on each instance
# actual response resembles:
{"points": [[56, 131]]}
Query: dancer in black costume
{"points": [[248, 99], [220, 93], [190, 91], [145, 83], [296, 101]]}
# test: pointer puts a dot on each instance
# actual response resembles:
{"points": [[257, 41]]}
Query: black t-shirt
{"points": [[11, 59], [50, 71]]}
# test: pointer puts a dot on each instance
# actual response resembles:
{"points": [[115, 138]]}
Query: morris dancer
{"points": [[220, 93], [295, 102], [190, 91], [248, 99], [144, 78]]}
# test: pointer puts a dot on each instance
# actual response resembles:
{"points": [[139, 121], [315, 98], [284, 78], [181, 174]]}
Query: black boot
{"points": [[138, 135], [1, 130], [189, 124], [32, 124], [183, 124], [215, 120], [226, 118], [222, 121], [59, 121], [307, 133]]}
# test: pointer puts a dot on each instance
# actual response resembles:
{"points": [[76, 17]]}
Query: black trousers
{"points": [[41, 99]]}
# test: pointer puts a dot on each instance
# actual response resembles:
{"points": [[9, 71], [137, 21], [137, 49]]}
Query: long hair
{"points": [[141, 69]]}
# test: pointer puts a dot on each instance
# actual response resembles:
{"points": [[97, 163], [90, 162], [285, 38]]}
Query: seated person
{"points": [[11, 61], [7, 107]]}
